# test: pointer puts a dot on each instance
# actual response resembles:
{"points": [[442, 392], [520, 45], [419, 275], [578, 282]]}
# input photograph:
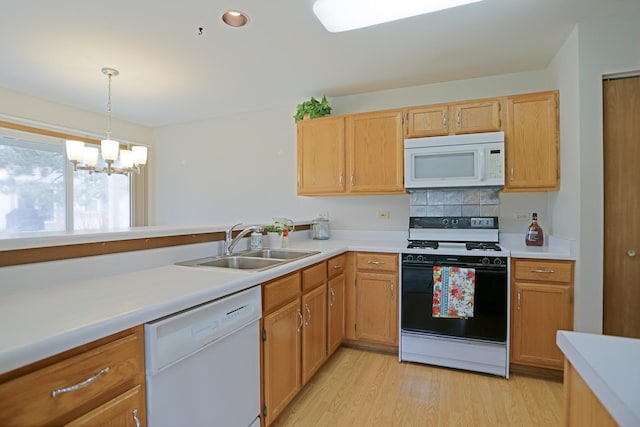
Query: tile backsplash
{"points": [[455, 202]]}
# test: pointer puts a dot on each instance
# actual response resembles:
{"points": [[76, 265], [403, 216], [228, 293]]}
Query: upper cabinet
{"points": [[321, 154], [375, 153], [532, 142], [354, 154], [449, 119]]}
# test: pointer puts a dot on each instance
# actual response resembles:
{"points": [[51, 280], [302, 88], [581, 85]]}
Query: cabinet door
{"points": [[532, 142], [375, 149], [314, 331], [282, 356], [432, 120], [321, 156], [539, 311], [128, 409], [481, 116], [377, 308], [336, 312]]}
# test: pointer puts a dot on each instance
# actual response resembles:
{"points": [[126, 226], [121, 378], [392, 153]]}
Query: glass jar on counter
{"points": [[320, 228]]}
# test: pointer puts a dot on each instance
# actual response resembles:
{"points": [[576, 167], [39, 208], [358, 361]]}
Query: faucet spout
{"points": [[231, 242]]}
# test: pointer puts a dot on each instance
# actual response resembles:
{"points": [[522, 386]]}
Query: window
{"points": [[40, 192]]}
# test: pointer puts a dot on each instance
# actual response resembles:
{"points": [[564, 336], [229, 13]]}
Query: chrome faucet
{"points": [[230, 242]]}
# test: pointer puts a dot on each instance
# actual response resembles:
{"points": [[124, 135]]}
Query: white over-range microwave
{"points": [[472, 160]]}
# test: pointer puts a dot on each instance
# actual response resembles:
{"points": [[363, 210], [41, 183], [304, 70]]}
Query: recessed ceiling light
{"points": [[234, 18], [345, 15]]}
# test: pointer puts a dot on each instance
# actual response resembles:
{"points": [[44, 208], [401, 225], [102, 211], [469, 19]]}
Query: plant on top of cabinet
{"points": [[313, 108]]}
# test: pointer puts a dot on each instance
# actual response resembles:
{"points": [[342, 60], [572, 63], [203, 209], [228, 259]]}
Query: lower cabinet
{"points": [[294, 335], [541, 304], [98, 384], [336, 267], [375, 298]]}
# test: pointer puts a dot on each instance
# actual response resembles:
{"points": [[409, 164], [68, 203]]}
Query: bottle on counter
{"points": [[534, 236]]}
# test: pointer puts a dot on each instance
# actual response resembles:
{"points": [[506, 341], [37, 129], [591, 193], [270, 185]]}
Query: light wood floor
{"points": [[362, 388]]}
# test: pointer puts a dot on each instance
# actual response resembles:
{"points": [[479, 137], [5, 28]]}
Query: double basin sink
{"points": [[257, 260]]}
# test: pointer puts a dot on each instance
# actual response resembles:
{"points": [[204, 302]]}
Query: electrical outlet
{"points": [[383, 215], [521, 215]]}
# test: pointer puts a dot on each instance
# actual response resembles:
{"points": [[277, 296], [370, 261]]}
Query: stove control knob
{"points": [[486, 261], [497, 261], [409, 258], [454, 221], [419, 258], [445, 221]]}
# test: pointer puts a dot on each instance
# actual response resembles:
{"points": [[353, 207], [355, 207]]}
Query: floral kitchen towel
{"points": [[453, 291]]}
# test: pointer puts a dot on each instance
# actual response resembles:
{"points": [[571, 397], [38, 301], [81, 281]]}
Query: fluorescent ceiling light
{"points": [[344, 15]]}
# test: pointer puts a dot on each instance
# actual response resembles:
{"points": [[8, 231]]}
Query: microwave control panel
{"points": [[495, 164]]}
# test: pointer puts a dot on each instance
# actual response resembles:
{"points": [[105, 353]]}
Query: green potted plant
{"points": [[312, 108], [275, 233]]}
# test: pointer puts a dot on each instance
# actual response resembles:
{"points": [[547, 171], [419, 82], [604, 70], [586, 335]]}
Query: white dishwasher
{"points": [[203, 364]]}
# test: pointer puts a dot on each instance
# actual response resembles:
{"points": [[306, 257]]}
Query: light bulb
{"points": [[126, 159], [139, 155], [75, 150], [110, 149], [90, 156]]}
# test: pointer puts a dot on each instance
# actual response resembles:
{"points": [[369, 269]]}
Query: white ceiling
{"points": [[169, 74]]}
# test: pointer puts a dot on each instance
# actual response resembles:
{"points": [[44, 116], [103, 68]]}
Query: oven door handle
{"points": [[483, 267]]}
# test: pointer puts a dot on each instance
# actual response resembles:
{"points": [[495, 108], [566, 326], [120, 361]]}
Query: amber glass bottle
{"points": [[535, 236]]}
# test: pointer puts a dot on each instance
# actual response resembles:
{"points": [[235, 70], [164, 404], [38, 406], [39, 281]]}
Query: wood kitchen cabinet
{"points": [[113, 391], [541, 304], [375, 153], [294, 335], [376, 298], [336, 302], [532, 142], [483, 115], [321, 156], [354, 154]]}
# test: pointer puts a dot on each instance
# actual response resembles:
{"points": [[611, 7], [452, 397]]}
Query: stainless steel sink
{"points": [[251, 260], [232, 261], [288, 254]]}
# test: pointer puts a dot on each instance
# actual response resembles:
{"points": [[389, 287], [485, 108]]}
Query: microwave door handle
{"points": [[482, 165]]}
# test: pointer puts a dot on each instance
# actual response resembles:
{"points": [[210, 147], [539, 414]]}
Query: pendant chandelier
{"points": [[86, 158]]}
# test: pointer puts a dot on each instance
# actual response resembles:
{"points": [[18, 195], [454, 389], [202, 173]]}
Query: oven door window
{"points": [[489, 321]]}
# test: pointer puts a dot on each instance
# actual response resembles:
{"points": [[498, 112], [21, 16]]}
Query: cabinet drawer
{"points": [[280, 291], [336, 265], [98, 375], [544, 270], [314, 276], [377, 262]]}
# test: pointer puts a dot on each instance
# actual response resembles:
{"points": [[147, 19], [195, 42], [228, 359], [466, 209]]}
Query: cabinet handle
{"points": [[300, 319], [518, 300], [135, 417], [392, 289], [542, 271], [337, 266], [78, 386], [352, 180], [511, 173], [341, 179], [444, 120], [458, 118], [375, 262], [306, 307], [333, 297]]}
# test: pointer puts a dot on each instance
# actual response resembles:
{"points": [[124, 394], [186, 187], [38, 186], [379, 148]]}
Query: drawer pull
{"points": [[542, 271], [337, 266], [306, 307], [375, 262], [135, 417], [78, 386], [333, 297], [300, 319]]}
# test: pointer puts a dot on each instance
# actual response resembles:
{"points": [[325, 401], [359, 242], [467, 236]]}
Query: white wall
{"points": [[243, 167], [604, 47], [22, 106]]}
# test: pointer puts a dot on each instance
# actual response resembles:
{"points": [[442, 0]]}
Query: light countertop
{"points": [[611, 368], [45, 320]]}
